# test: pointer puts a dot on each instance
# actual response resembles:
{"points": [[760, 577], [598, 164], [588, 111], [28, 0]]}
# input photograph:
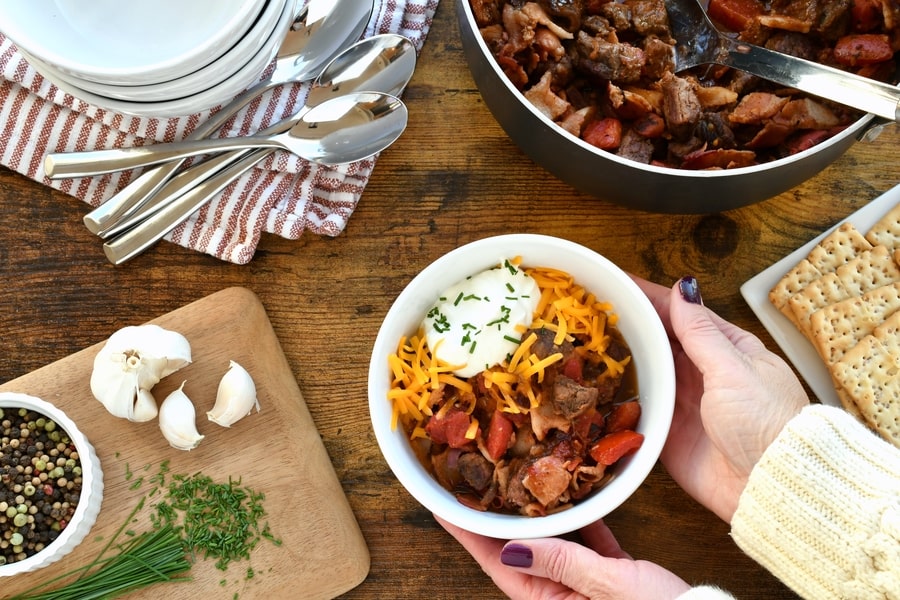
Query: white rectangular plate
{"points": [[794, 345]]}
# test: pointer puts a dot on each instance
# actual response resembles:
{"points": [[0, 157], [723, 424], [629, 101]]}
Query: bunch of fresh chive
{"points": [[148, 558]]}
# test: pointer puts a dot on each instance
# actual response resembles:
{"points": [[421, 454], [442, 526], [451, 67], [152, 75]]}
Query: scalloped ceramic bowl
{"points": [[91, 491], [638, 323], [245, 68], [127, 43]]}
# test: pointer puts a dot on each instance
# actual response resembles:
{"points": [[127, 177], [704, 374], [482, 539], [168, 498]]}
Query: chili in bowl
{"points": [[521, 386]]}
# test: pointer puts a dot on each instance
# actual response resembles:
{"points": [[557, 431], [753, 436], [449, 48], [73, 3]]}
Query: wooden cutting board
{"points": [[277, 452]]}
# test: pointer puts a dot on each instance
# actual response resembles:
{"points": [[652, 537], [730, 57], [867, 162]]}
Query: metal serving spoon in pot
{"points": [[342, 130], [699, 43], [381, 63], [320, 32]]}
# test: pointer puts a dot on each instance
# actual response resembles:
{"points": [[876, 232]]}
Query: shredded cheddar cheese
{"points": [[420, 382]]}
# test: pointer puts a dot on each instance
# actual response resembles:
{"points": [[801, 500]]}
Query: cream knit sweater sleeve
{"points": [[821, 510]]}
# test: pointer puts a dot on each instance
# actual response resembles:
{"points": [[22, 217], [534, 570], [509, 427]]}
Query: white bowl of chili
{"points": [[421, 454], [62, 467]]}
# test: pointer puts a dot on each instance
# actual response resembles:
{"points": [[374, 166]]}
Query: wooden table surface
{"points": [[452, 178]]}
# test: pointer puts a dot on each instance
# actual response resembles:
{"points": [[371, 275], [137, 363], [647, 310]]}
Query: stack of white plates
{"points": [[156, 58]]}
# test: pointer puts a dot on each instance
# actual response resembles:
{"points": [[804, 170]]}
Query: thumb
{"points": [[589, 574], [707, 339], [576, 567]]}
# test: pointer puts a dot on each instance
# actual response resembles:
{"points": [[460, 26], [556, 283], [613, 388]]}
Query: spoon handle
{"points": [[93, 162], [172, 189], [864, 94], [189, 178], [153, 228], [148, 183]]}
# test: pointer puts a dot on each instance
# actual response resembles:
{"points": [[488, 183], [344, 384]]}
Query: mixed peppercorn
{"points": [[40, 482]]}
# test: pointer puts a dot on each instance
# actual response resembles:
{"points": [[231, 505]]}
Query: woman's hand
{"points": [[551, 568], [733, 396]]}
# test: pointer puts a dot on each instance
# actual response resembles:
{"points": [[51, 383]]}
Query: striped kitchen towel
{"points": [[283, 194]]}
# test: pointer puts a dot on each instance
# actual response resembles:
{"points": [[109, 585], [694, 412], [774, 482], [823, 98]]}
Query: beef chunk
{"points": [[635, 147], [476, 470], [571, 399], [681, 107], [612, 61]]}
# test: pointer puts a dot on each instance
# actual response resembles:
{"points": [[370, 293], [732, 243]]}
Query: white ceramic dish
{"points": [[202, 79], [127, 43], [638, 323], [795, 346], [91, 492], [204, 100]]}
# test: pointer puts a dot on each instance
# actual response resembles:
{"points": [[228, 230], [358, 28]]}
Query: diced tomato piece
{"points": [[650, 125], [450, 430], [623, 416], [736, 15], [720, 158], [863, 49], [499, 433], [609, 449], [605, 134], [573, 368]]}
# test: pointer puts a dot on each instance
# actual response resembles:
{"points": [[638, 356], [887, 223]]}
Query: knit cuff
{"points": [[821, 510], [705, 592]]}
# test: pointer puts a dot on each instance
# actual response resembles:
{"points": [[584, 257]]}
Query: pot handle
{"points": [[874, 129]]}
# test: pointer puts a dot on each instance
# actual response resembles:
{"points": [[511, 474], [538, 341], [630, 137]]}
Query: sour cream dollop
{"points": [[477, 323]]}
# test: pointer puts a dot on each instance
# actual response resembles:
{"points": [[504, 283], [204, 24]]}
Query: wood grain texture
{"points": [[451, 178]]}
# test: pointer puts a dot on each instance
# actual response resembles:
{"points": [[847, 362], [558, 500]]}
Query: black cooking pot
{"points": [[631, 183]]}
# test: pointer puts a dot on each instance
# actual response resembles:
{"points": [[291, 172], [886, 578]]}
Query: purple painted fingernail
{"points": [[516, 555], [690, 290]]}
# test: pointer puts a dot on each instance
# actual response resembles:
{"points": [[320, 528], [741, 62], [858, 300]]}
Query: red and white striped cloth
{"points": [[283, 195]]}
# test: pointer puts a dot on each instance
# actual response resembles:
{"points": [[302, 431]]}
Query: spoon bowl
{"points": [[698, 42], [342, 130]]}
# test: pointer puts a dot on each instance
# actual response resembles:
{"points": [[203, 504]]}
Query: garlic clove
{"points": [[177, 421], [130, 363], [144, 407], [235, 397]]}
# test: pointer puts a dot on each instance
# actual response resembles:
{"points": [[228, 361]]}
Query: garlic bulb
{"points": [[177, 421], [132, 361], [235, 397]]}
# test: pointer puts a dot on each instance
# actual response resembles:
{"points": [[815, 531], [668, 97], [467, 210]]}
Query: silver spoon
{"points": [[699, 43], [381, 63], [342, 130], [341, 142], [319, 33]]}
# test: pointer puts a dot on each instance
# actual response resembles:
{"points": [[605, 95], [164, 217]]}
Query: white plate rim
{"points": [[799, 351], [234, 23], [188, 105], [206, 77]]}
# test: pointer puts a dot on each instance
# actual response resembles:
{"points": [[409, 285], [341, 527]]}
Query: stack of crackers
{"points": [[845, 298]]}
